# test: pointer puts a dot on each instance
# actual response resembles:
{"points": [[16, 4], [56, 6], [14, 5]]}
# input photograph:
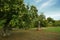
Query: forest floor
{"points": [[50, 33]]}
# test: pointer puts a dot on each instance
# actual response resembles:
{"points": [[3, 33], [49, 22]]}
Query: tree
{"points": [[16, 13], [50, 21], [42, 20], [33, 15], [56, 23], [8, 8]]}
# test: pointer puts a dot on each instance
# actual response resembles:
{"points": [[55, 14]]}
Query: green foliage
{"points": [[42, 19], [17, 14], [50, 21], [57, 23]]}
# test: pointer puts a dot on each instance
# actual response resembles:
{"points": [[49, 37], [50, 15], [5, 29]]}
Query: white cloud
{"points": [[45, 4], [54, 15], [38, 1]]}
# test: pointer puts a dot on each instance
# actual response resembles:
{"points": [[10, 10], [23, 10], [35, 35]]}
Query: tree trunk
{"points": [[38, 26], [5, 27]]}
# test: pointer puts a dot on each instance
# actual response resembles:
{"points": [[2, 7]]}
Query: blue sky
{"points": [[51, 8]]}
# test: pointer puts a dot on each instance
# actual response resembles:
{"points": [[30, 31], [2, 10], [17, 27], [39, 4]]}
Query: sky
{"points": [[50, 8]]}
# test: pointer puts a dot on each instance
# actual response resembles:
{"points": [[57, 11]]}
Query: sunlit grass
{"points": [[52, 29]]}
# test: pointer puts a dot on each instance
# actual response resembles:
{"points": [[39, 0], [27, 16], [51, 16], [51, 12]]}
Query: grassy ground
{"points": [[53, 29], [50, 33]]}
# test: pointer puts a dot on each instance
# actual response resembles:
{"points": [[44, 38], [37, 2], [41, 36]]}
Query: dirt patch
{"points": [[32, 35]]}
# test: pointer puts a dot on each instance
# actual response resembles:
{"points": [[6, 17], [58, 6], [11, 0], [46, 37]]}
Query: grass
{"points": [[53, 29], [50, 33]]}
